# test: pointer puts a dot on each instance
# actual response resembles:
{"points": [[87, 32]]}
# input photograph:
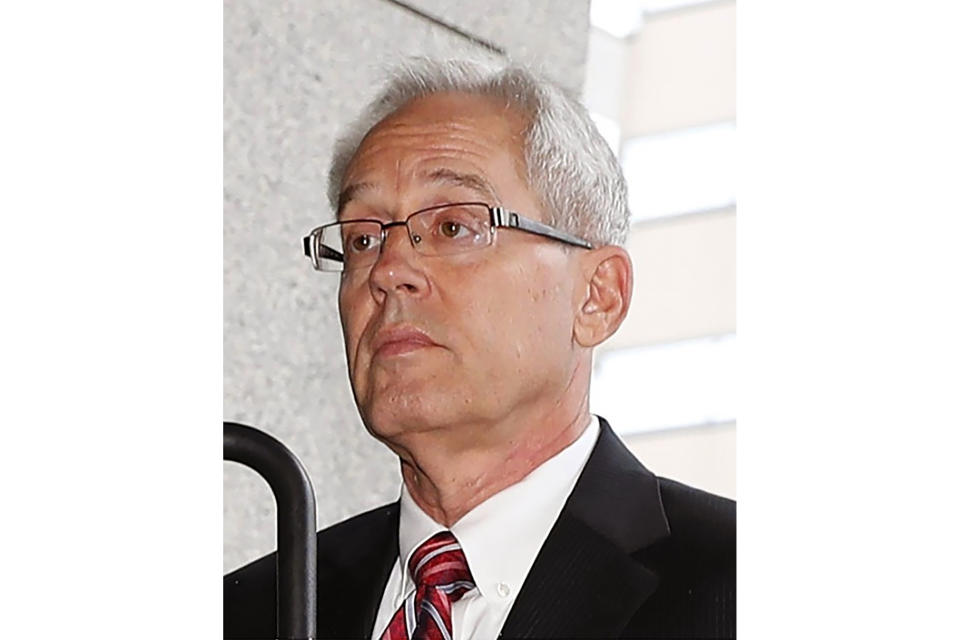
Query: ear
{"points": [[609, 284]]}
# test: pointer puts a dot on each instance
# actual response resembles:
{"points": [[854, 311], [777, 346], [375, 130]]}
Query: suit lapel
{"points": [[352, 575], [583, 582]]}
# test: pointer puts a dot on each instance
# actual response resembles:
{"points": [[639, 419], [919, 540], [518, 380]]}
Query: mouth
{"points": [[399, 341]]}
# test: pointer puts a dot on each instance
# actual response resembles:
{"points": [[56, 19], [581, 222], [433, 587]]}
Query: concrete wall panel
{"points": [[295, 72]]}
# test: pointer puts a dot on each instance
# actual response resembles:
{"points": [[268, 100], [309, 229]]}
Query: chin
{"points": [[389, 415]]}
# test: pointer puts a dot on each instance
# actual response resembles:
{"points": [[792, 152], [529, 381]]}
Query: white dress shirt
{"points": [[500, 538]]}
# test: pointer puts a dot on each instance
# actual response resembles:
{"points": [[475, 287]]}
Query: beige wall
{"points": [[682, 70], [677, 71], [684, 279]]}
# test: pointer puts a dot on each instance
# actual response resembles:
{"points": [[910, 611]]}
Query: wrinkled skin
{"points": [[500, 384]]}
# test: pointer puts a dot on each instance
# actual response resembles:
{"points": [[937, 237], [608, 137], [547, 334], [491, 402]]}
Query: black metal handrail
{"points": [[296, 525]]}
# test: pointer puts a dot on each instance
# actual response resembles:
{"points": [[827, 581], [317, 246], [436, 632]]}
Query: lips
{"points": [[400, 340]]}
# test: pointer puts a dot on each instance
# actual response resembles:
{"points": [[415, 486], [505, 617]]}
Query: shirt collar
{"points": [[501, 536]]}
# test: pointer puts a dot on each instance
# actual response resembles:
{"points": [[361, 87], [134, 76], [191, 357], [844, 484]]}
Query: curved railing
{"points": [[296, 525]]}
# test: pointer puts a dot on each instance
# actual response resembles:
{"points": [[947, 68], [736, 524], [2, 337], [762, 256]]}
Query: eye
{"points": [[361, 242], [453, 226], [450, 228]]}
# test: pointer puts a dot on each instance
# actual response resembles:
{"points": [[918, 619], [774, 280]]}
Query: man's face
{"points": [[437, 341]]}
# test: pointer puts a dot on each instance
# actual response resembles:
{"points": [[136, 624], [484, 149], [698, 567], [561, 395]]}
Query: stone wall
{"points": [[294, 73]]}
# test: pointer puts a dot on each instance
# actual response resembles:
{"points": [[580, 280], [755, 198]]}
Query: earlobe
{"points": [[609, 285]]}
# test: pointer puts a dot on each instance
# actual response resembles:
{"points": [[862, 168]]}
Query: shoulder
{"points": [[638, 509], [698, 519], [695, 564], [249, 593], [359, 525], [331, 540], [363, 536], [702, 537]]}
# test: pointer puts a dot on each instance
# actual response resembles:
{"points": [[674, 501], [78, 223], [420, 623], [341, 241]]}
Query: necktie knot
{"points": [[440, 572], [439, 562]]}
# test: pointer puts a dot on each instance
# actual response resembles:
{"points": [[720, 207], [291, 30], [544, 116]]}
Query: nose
{"points": [[397, 269]]}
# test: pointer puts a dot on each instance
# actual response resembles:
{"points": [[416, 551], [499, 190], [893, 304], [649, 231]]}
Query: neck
{"points": [[447, 480]]}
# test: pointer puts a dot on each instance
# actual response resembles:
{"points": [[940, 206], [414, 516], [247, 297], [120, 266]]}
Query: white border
{"points": [[111, 259], [848, 319]]}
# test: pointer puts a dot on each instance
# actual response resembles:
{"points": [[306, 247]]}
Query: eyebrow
{"points": [[470, 181], [351, 193]]}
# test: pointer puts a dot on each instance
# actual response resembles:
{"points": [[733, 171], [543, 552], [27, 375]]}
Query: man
{"points": [[480, 218]]}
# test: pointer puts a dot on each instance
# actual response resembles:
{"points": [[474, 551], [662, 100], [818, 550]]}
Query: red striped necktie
{"points": [[441, 575]]}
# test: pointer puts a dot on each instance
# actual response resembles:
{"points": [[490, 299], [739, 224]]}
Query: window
{"points": [[623, 18], [680, 171], [662, 386]]}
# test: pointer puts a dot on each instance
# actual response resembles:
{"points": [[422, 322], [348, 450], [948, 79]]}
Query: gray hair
{"points": [[569, 165]]}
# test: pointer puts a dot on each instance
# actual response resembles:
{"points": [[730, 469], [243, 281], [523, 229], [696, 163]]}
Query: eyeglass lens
{"points": [[438, 231]]}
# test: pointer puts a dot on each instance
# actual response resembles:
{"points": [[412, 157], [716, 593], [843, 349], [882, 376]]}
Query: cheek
{"points": [[548, 298], [352, 322], [551, 321], [525, 321]]}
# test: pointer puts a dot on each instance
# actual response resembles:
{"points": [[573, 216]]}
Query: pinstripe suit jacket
{"points": [[630, 556]]}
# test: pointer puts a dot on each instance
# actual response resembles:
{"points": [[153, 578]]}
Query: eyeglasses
{"points": [[441, 230]]}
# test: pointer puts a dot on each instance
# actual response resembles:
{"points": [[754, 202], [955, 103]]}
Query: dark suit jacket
{"points": [[630, 556]]}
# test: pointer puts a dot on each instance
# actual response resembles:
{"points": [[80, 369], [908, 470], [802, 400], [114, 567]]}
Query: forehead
{"points": [[434, 139]]}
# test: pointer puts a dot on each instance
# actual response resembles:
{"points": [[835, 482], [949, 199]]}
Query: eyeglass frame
{"points": [[500, 218]]}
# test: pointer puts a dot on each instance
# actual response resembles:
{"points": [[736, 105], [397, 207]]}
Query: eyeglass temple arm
{"points": [[504, 218]]}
